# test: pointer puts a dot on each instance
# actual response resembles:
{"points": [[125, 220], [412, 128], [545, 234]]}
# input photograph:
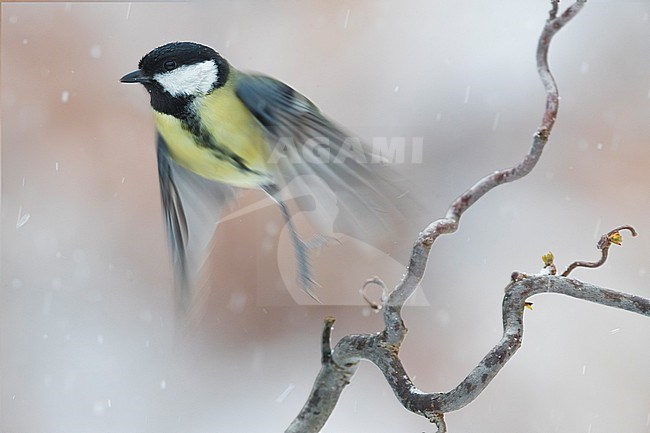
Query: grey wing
{"points": [[192, 206], [372, 200]]}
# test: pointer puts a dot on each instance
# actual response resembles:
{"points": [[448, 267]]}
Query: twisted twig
{"points": [[449, 224], [329, 384], [376, 281], [606, 241], [339, 364]]}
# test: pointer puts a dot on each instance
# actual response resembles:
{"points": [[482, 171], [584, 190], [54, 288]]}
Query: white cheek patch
{"points": [[196, 79]]}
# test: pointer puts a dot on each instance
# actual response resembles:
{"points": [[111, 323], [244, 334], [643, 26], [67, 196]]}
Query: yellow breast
{"points": [[233, 127]]}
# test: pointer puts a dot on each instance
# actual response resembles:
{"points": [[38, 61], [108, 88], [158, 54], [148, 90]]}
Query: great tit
{"points": [[220, 127]]}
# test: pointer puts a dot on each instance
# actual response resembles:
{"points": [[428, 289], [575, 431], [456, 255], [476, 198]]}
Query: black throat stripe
{"points": [[204, 139]]}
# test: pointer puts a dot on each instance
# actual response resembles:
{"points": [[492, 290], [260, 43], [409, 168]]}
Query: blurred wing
{"points": [[371, 199], [191, 206]]}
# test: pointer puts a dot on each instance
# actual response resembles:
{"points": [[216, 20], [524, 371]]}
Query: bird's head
{"points": [[176, 73]]}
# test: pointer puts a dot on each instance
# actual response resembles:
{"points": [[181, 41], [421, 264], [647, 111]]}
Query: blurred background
{"points": [[88, 341]]}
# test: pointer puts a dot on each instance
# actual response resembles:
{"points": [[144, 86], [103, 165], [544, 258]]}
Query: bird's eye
{"points": [[169, 65]]}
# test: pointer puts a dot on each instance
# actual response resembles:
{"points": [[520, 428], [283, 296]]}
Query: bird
{"points": [[220, 129]]}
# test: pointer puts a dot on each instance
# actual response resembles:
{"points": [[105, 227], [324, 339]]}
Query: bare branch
{"points": [[606, 241], [374, 281], [329, 384], [373, 347], [382, 348], [554, 7], [514, 303], [449, 224], [439, 420]]}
